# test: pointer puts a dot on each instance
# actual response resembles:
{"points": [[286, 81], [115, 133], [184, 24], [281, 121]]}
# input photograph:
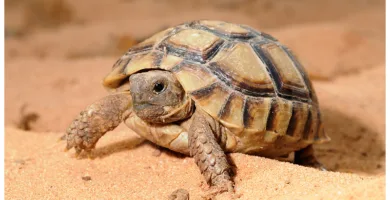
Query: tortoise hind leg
{"points": [[306, 157]]}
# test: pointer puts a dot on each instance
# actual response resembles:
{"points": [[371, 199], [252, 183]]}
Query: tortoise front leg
{"points": [[209, 156], [92, 123]]}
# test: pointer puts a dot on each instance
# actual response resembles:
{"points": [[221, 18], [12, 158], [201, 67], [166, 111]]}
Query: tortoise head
{"points": [[158, 97]]}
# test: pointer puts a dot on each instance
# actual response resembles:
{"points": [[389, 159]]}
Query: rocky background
{"points": [[58, 51]]}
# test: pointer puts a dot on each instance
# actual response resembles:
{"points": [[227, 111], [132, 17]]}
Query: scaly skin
{"points": [[209, 156], [92, 123]]}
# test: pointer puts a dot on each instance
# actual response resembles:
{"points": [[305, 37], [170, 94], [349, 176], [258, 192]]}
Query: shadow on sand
{"points": [[354, 146]]}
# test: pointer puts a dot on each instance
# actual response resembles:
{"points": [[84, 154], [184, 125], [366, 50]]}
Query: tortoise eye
{"points": [[158, 87]]}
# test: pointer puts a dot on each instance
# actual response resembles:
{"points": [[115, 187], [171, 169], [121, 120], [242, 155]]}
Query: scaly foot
{"points": [[97, 119]]}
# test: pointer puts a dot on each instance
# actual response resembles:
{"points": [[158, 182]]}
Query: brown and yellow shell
{"points": [[246, 79]]}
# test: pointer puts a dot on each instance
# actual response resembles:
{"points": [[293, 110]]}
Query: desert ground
{"points": [[57, 53]]}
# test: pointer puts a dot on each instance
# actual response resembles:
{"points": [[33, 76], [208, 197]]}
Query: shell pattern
{"points": [[246, 79]]}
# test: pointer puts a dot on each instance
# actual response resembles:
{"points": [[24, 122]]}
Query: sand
{"points": [[54, 69]]}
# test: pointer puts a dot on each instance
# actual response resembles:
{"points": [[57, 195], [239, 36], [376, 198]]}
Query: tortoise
{"points": [[206, 88]]}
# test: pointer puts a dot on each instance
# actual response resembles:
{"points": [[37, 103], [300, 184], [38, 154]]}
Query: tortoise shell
{"points": [[253, 85]]}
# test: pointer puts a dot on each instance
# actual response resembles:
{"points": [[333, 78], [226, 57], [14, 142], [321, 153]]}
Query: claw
{"points": [[78, 153], [90, 154], [68, 146], [62, 138], [78, 156], [321, 167], [214, 191]]}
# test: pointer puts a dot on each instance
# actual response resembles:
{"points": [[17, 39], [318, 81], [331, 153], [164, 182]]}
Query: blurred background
{"points": [[58, 51], [51, 28]]}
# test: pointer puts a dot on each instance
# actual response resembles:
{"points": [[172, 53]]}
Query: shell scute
{"points": [[169, 61], [231, 114], [153, 40], [287, 78], [279, 117], [144, 61], [211, 98], [226, 29], [193, 44], [298, 119], [193, 77], [313, 125], [240, 68], [117, 74], [256, 113]]}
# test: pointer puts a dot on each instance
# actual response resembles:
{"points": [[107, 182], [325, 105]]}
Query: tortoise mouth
{"points": [[149, 113], [158, 114], [142, 106]]}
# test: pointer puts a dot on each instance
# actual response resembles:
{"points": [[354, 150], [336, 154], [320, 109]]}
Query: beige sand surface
{"points": [[56, 70], [127, 169]]}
